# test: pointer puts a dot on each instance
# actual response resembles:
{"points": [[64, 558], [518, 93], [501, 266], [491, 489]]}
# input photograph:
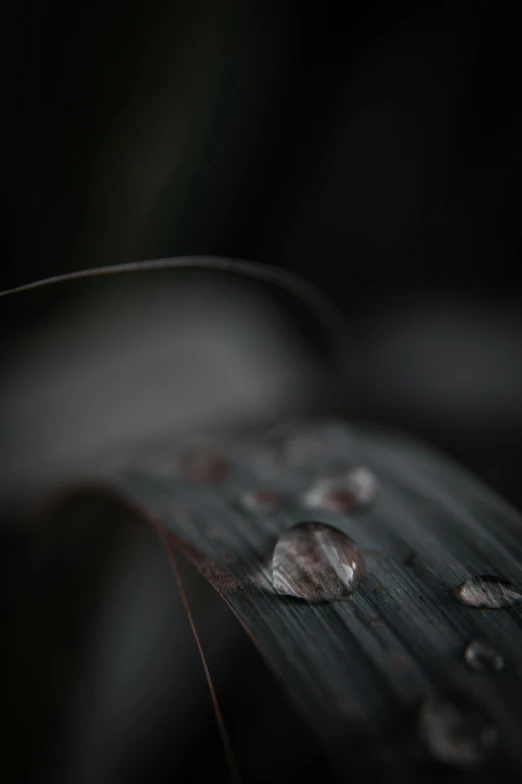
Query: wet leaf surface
{"points": [[358, 668]]}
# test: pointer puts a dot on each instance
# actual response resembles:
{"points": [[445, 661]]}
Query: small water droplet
{"points": [[455, 732], [486, 591], [263, 500], [363, 483], [482, 656], [354, 490], [203, 463], [316, 562]]}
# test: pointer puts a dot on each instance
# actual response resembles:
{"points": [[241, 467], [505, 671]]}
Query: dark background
{"points": [[373, 149]]}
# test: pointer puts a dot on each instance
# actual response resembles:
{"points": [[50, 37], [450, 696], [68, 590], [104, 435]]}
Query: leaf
{"points": [[359, 668]]}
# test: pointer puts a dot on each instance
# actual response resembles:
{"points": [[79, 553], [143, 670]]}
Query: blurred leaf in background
{"points": [[371, 149]]}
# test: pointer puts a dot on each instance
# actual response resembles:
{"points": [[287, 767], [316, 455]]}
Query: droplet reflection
{"points": [[347, 493], [316, 562], [263, 500], [481, 656], [487, 592]]}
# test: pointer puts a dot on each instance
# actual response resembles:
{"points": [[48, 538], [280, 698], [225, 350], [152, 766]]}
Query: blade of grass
{"points": [[358, 668]]}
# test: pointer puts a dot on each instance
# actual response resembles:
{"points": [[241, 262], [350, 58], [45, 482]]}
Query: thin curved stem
{"points": [[331, 319], [235, 776]]}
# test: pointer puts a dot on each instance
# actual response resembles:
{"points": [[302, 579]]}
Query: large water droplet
{"points": [[203, 463], [482, 656], [486, 591], [353, 490], [316, 562], [455, 732]]}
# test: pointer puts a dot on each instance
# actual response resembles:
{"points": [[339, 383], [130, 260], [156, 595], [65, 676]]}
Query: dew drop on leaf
{"points": [[350, 492], [482, 656], [455, 732], [363, 484], [316, 562], [263, 500], [488, 592]]}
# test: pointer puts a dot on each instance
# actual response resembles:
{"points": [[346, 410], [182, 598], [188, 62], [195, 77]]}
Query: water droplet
{"points": [[481, 656], [330, 495], [316, 562], [261, 500], [455, 732], [363, 484], [354, 490], [203, 463], [486, 591]]}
